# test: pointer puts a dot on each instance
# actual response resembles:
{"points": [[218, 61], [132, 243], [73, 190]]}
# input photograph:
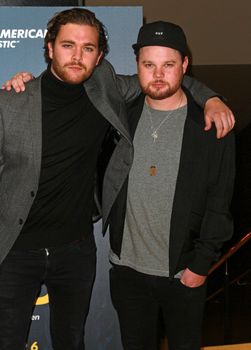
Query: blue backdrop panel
{"points": [[21, 49], [22, 30]]}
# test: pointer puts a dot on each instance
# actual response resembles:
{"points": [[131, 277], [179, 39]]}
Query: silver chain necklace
{"points": [[153, 168], [154, 131]]}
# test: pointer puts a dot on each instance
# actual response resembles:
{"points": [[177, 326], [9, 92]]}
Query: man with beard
{"points": [[50, 138], [171, 215]]}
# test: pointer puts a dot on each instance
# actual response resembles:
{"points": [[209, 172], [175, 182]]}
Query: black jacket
{"points": [[200, 220]]}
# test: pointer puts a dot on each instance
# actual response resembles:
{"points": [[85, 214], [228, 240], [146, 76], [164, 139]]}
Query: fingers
{"points": [[224, 122], [208, 123], [221, 127], [232, 119], [7, 85], [17, 82], [218, 113]]}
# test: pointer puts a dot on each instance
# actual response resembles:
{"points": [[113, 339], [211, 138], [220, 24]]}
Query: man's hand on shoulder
{"points": [[17, 82], [217, 112]]}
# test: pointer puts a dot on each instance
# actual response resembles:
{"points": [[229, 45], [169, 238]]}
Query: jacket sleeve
{"points": [[129, 88], [217, 224], [200, 92]]}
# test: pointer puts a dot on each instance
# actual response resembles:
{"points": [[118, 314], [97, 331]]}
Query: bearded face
{"points": [[160, 71], [74, 53]]}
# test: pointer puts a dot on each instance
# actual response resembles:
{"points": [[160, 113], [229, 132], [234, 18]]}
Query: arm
{"points": [[200, 92], [128, 86], [215, 110]]}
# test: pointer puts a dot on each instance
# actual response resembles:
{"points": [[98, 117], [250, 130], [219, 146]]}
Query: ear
{"points": [[50, 49], [185, 64]]}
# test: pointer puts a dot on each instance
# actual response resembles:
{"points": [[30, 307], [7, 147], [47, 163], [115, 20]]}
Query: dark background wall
{"points": [[219, 37], [218, 30]]}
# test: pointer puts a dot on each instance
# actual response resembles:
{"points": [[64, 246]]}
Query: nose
{"points": [[158, 72], [77, 54]]}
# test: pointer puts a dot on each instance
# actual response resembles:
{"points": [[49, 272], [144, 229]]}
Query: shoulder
{"points": [[104, 68], [103, 77], [11, 100]]}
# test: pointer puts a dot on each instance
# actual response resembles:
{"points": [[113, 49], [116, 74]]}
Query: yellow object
{"points": [[43, 300]]}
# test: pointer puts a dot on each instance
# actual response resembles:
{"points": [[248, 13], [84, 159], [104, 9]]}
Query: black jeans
{"points": [[138, 298], [68, 273]]}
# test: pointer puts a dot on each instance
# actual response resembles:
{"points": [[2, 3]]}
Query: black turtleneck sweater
{"points": [[72, 134]]}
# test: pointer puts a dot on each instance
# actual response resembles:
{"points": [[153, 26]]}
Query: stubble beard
{"points": [[162, 92], [67, 75]]}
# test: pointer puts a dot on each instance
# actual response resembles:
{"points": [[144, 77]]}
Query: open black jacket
{"points": [[200, 220]]}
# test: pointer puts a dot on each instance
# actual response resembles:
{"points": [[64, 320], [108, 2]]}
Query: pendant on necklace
{"points": [[154, 135], [153, 170]]}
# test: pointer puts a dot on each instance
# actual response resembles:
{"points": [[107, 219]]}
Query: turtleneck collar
{"points": [[59, 92]]}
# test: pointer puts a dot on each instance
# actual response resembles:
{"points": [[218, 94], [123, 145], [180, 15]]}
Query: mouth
{"points": [[75, 68], [158, 85]]}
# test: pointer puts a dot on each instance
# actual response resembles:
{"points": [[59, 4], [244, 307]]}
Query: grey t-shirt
{"points": [[151, 187]]}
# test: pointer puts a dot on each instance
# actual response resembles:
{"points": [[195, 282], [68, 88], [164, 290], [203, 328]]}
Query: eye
{"points": [[67, 46], [148, 65], [168, 65], [88, 49]]}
